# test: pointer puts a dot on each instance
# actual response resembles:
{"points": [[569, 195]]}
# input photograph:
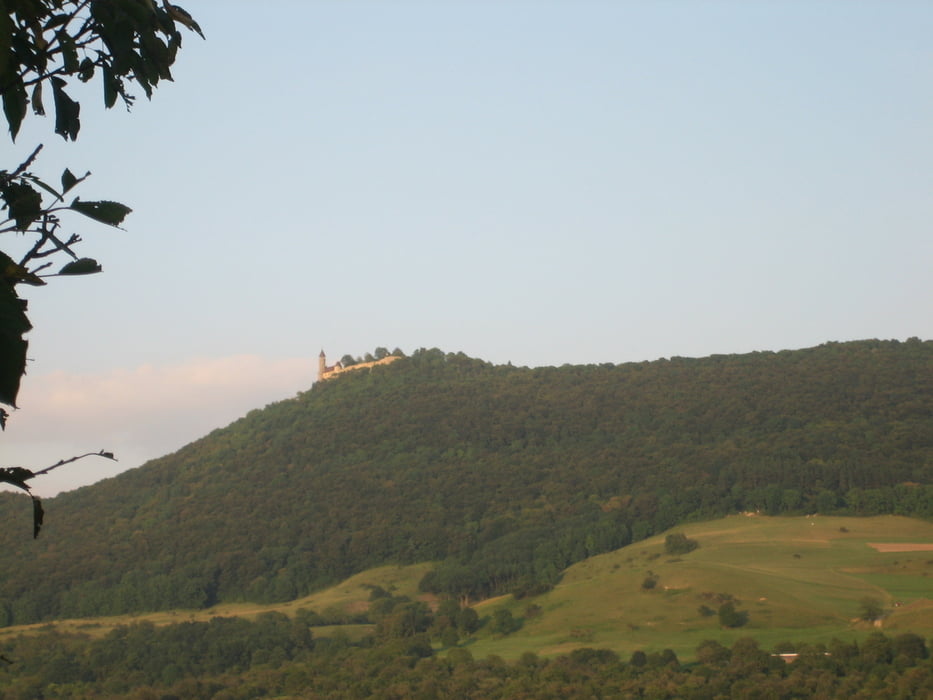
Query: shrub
{"points": [[712, 653], [871, 609], [449, 637], [679, 543], [503, 622], [730, 617]]}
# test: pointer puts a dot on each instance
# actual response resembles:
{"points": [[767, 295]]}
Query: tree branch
{"points": [[21, 168], [62, 462]]}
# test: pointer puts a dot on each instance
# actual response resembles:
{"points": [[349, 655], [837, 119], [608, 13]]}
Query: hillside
{"points": [[506, 475], [798, 578], [798, 582]]}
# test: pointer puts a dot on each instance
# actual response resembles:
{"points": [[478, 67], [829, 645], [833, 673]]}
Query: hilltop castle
{"points": [[328, 372]]}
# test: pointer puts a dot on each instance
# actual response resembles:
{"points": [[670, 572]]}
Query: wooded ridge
{"points": [[503, 475]]}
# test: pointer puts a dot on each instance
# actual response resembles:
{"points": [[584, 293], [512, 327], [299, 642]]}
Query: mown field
{"points": [[797, 578]]}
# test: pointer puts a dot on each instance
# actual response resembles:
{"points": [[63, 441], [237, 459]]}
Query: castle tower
{"points": [[321, 365]]}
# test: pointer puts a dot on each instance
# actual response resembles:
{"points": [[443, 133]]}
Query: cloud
{"points": [[140, 413]]}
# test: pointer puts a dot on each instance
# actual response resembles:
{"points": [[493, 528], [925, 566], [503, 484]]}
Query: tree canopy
{"points": [[275, 656]]}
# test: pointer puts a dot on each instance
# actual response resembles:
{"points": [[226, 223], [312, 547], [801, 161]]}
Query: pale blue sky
{"points": [[535, 182]]}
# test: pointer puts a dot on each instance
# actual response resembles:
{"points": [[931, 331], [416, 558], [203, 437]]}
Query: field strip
{"points": [[831, 578], [901, 546]]}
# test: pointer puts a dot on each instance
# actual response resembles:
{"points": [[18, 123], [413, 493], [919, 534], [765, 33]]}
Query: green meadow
{"points": [[798, 579]]}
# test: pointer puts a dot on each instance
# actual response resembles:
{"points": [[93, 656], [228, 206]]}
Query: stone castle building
{"points": [[325, 371]]}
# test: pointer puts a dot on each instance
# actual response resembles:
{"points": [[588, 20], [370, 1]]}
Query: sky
{"points": [[539, 183]]}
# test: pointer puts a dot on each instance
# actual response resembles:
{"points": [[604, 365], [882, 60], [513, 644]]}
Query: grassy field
{"points": [[799, 579], [349, 596]]}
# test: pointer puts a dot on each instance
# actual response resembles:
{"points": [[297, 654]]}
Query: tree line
{"points": [[406, 657]]}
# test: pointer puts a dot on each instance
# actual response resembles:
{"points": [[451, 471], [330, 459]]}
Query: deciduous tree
{"points": [[871, 608]]}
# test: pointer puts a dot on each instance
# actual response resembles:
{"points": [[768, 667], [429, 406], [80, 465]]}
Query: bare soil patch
{"points": [[901, 546]]}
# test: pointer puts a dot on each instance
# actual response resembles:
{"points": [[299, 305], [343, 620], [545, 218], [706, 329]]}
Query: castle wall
{"points": [[331, 372]]}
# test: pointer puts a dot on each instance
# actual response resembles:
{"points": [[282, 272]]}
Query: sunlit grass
{"points": [[353, 593], [800, 580]]}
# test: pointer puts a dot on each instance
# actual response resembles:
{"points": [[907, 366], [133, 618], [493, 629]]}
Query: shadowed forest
{"points": [[233, 659]]}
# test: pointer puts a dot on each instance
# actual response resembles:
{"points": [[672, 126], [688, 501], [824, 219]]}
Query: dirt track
{"points": [[901, 546]]}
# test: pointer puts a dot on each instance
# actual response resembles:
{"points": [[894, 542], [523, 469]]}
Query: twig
{"points": [[21, 168], [61, 462]]}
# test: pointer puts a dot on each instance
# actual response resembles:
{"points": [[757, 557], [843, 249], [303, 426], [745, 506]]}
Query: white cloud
{"points": [[138, 414]]}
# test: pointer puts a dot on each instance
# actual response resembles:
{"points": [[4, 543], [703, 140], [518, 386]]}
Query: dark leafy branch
{"points": [[47, 41], [20, 476], [44, 44], [22, 196]]}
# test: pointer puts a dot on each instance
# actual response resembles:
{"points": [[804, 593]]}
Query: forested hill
{"points": [[504, 475]]}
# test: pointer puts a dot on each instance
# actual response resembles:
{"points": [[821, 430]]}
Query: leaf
{"points": [[69, 51], [13, 326], [181, 15], [14, 102], [86, 70], [16, 476], [9, 77], [6, 31], [68, 180], [48, 188], [82, 266], [111, 213], [38, 516], [141, 12], [111, 87], [9, 275], [13, 273], [23, 203], [67, 111], [154, 51], [37, 107]]}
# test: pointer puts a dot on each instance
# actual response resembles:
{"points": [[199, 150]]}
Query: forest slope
{"points": [[506, 475]]}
